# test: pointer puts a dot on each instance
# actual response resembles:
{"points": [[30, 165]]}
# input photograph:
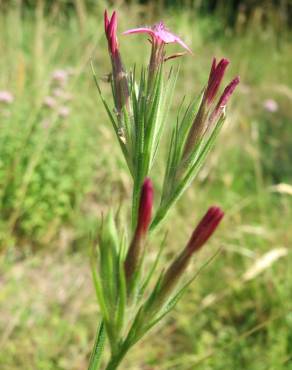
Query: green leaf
{"points": [[193, 169], [95, 357], [114, 124], [153, 267], [122, 293]]}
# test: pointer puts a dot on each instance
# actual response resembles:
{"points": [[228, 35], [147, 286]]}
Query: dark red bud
{"points": [[216, 75], [145, 207], [205, 229], [228, 91], [110, 28]]}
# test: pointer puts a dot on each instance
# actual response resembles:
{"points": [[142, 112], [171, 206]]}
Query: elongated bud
{"points": [[200, 124], [118, 73], [224, 99], [110, 28], [145, 207], [205, 229], [199, 237], [206, 118], [144, 219], [215, 78]]}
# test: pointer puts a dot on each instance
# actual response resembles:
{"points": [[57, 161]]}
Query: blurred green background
{"points": [[60, 169]]}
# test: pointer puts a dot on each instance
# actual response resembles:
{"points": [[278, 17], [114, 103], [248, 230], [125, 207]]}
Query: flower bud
{"points": [[110, 27], [224, 99], [205, 118], [120, 82], [205, 229], [215, 78], [199, 237], [144, 219]]}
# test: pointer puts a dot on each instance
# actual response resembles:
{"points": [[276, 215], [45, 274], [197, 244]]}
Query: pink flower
{"points": [[110, 27], [205, 229], [64, 112], [6, 97], [271, 105], [159, 35], [144, 219], [60, 76], [60, 93], [50, 102]]}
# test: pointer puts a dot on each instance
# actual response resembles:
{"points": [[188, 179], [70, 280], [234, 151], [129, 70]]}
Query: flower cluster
{"points": [[131, 299]]}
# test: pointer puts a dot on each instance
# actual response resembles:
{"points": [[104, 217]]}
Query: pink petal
{"points": [[106, 21], [179, 41], [159, 32], [139, 30]]}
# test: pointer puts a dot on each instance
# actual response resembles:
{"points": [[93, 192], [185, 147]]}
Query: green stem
{"points": [[116, 360], [95, 357]]}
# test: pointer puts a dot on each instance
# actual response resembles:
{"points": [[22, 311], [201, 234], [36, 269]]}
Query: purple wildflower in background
{"points": [[50, 102], [60, 76], [271, 105], [60, 93], [6, 97], [64, 112]]}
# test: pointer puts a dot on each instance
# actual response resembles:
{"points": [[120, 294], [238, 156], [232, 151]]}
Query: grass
{"points": [[57, 179]]}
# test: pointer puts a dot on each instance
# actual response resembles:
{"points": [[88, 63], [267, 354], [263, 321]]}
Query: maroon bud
{"points": [[110, 27], [205, 229], [119, 75], [145, 207], [215, 78], [201, 124], [144, 219], [228, 91], [201, 234]]}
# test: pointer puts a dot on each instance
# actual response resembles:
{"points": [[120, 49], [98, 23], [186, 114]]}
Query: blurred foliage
{"points": [[234, 13]]}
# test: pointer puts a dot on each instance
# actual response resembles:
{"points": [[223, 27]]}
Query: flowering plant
{"points": [[132, 301]]}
